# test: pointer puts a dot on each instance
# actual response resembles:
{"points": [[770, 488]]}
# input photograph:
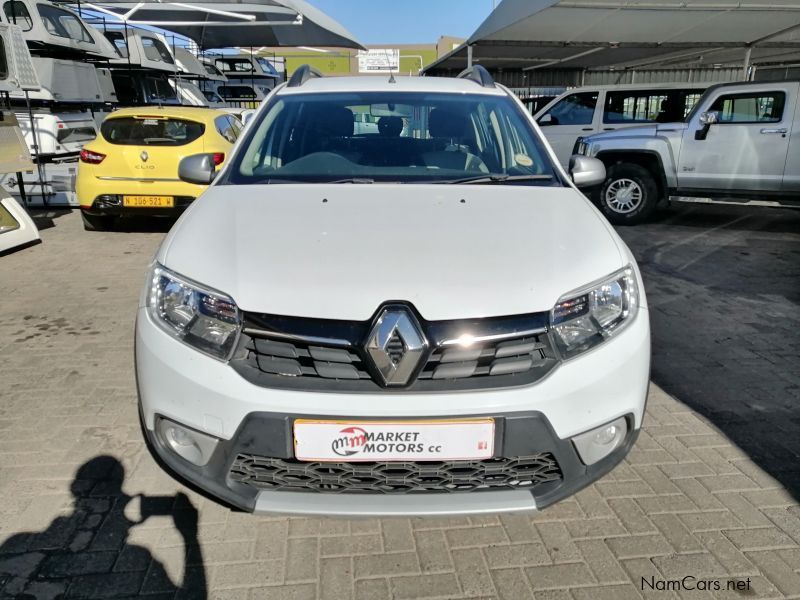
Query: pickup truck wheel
{"points": [[629, 195], [97, 222]]}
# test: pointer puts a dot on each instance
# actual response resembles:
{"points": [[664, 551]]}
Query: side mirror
{"points": [[586, 171], [247, 115], [707, 119], [546, 119], [197, 168]]}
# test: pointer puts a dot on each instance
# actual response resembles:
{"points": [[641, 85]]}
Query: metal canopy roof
{"points": [[215, 24], [598, 34]]}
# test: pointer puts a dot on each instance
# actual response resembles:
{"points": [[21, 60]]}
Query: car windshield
{"points": [[398, 137]]}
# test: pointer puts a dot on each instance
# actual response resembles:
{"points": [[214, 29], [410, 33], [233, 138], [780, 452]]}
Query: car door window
{"points": [[641, 106], [759, 107], [576, 109]]}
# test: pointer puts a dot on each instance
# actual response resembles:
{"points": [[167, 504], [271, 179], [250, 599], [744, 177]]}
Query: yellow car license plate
{"points": [[148, 201]]}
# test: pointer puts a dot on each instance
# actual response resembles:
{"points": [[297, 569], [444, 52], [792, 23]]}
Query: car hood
{"points": [[341, 251]]}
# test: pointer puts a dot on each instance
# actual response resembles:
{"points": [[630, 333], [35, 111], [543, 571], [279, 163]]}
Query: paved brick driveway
{"points": [[687, 502]]}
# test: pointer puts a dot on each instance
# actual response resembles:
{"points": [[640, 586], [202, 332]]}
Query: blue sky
{"points": [[406, 21]]}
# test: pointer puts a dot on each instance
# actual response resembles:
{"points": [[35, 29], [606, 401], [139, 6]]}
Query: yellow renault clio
{"points": [[132, 166]]}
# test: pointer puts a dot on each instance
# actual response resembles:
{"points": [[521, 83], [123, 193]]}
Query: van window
{"points": [[62, 23], [118, 39], [17, 13], [236, 91], [212, 70], [575, 109], [125, 88], [155, 50], [150, 131], [235, 65], [3, 61], [75, 135], [648, 106], [158, 88], [759, 107]]}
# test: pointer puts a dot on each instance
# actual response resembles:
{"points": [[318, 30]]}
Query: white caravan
{"points": [[141, 48], [46, 25]]}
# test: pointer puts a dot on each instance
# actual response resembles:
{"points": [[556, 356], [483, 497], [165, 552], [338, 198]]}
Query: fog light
{"points": [[189, 444], [599, 443]]}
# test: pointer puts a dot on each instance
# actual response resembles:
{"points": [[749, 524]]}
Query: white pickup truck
{"points": [[742, 140]]}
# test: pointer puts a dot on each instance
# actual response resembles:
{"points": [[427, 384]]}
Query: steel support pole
{"points": [[37, 156], [746, 66], [469, 56]]}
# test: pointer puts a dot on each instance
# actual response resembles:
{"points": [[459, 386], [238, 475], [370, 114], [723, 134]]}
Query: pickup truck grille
{"points": [[308, 354], [520, 472]]}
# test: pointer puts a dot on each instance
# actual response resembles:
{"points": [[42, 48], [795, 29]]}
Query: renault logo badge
{"points": [[396, 345], [144, 156]]}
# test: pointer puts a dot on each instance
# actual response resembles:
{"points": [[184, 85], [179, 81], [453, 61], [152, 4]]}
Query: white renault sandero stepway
{"points": [[424, 318]]}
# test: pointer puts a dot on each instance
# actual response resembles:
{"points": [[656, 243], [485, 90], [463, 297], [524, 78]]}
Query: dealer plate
{"points": [[148, 201], [393, 441]]}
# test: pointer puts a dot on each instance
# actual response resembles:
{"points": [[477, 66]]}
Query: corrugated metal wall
{"points": [[777, 73], [575, 77]]}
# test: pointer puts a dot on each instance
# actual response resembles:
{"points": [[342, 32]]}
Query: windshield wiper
{"points": [[353, 180], [498, 179]]}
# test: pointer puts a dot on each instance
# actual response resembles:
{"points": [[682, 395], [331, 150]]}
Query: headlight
{"points": [[583, 319], [581, 147], [202, 318]]}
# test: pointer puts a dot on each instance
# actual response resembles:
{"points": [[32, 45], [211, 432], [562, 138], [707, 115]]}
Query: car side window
{"points": [[576, 109], [236, 125], [224, 128], [759, 107]]}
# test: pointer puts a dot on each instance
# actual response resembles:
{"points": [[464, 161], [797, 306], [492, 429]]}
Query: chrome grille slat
{"points": [[297, 356]]}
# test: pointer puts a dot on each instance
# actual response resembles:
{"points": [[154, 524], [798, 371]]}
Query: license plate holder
{"points": [[319, 440], [148, 201]]}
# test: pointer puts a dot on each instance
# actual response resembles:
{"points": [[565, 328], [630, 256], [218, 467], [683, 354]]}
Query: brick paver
{"points": [[687, 502]]}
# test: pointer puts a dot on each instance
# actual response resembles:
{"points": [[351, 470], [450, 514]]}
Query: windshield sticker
{"points": [[523, 160]]}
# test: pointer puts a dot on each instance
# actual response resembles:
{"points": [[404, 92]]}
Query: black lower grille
{"points": [[520, 472]]}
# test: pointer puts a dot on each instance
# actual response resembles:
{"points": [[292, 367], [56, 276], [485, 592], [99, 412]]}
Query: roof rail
{"points": [[303, 74], [478, 74]]}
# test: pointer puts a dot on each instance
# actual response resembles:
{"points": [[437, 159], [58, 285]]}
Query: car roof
{"points": [[372, 83], [195, 113], [641, 86]]}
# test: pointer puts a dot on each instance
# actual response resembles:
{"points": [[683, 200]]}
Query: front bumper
{"points": [[178, 383], [270, 435]]}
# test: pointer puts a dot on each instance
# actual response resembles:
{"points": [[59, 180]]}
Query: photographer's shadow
{"points": [[87, 554]]}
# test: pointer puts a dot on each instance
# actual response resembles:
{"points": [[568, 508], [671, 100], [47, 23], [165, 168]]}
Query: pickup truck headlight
{"points": [[202, 318], [587, 317], [581, 147]]}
